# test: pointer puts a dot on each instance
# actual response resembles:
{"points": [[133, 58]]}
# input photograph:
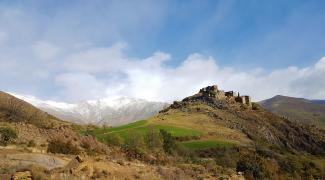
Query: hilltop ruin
{"points": [[213, 91]]}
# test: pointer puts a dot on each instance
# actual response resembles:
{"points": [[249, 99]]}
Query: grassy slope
{"points": [[180, 124], [206, 144]]}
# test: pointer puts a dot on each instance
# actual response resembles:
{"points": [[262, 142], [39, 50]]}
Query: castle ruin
{"points": [[213, 91]]}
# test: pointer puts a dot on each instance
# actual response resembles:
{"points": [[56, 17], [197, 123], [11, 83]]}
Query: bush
{"points": [[250, 168], [92, 146], [31, 143], [135, 145], [256, 106], [153, 140], [168, 141], [256, 167], [61, 147], [114, 140], [7, 135]]}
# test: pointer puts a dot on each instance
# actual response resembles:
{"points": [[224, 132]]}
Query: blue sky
{"points": [[48, 47]]}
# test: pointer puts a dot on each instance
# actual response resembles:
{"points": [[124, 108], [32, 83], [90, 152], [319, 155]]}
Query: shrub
{"points": [[225, 157], [135, 145], [153, 139], [31, 143], [61, 147], [39, 173], [7, 135], [256, 106], [114, 139], [92, 146], [251, 168], [256, 167], [168, 141]]}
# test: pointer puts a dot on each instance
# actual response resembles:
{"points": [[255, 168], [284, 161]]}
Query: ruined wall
{"points": [[213, 91]]}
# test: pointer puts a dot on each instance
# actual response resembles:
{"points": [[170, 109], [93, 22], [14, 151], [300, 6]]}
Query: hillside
{"points": [[16, 110], [235, 133], [317, 101], [297, 109], [36, 145], [106, 111], [210, 135]]}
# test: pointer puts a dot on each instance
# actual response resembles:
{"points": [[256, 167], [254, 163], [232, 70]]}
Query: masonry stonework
{"points": [[213, 91]]}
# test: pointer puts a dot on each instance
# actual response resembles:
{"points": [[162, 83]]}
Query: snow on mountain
{"points": [[109, 111]]}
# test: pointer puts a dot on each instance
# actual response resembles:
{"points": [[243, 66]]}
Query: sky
{"points": [[79, 50]]}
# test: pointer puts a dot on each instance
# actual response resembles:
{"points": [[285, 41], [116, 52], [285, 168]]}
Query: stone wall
{"points": [[213, 91]]}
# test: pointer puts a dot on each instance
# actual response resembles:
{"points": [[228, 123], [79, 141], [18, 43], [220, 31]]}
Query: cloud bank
{"points": [[100, 72], [106, 72], [69, 53]]}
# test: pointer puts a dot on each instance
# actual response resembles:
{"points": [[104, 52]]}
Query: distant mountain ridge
{"points": [[106, 111], [297, 109], [318, 101]]}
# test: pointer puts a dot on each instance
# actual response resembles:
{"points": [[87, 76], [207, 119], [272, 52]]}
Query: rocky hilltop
{"points": [[261, 126]]}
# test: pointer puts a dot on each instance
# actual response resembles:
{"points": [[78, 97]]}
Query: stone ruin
{"points": [[213, 91]]}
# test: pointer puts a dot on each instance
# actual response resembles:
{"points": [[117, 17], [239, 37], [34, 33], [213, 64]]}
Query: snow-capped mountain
{"points": [[108, 111]]}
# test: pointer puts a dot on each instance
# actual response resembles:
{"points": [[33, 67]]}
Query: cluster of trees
{"points": [[137, 144]]}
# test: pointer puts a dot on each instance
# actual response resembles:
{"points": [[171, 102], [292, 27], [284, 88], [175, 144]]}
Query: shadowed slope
{"points": [[13, 109], [297, 109]]}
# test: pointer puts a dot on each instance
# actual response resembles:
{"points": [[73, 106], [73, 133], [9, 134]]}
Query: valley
{"points": [[210, 135]]}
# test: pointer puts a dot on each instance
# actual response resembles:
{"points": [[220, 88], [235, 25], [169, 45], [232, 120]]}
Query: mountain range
{"points": [[107, 111], [297, 109], [212, 134]]}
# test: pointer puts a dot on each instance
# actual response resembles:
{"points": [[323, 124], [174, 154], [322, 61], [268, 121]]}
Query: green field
{"points": [[199, 145], [141, 127], [137, 124]]}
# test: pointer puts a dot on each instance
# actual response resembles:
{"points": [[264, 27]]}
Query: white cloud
{"points": [[80, 86], [98, 59], [320, 64], [152, 79]]}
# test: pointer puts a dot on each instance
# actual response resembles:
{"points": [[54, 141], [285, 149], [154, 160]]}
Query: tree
{"points": [[153, 139], [168, 141], [7, 135], [135, 142]]}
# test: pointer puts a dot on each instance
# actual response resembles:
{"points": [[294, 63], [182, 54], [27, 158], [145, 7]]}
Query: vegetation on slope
{"points": [[140, 127], [248, 139], [15, 110], [297, 110], [199, 136]]}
